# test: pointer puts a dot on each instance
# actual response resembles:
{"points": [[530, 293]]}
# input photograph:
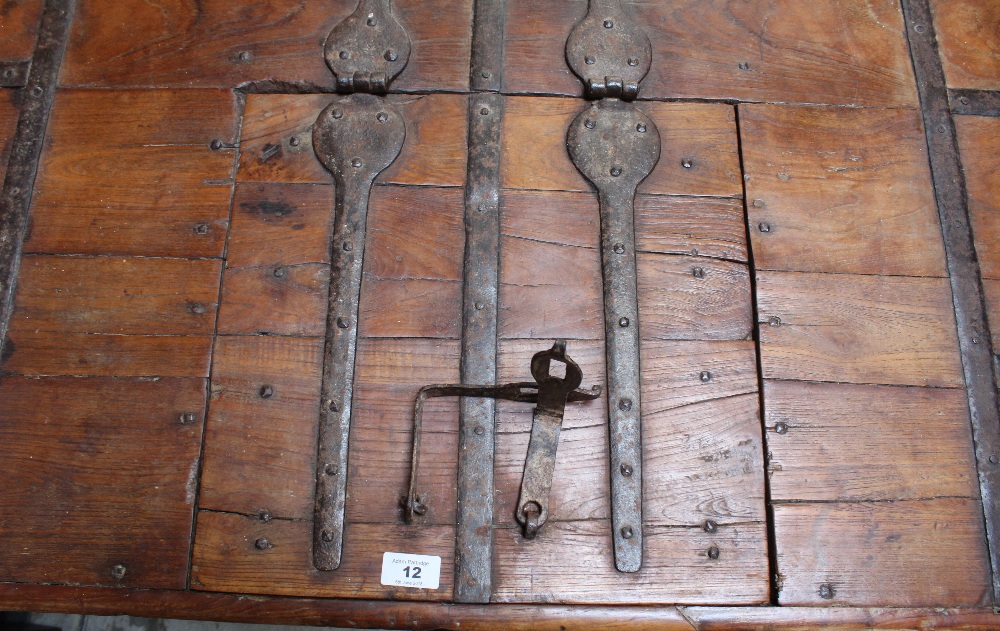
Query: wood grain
{"points": [[187, 44], [534, 147], [275, 300], [858, 329], [572, 562], [135, 296], [434, 152], [840, 190], [102, 472], [19, 29], [260, 452], [968, 40], [226, 558], [97, 355], [672, 372], [992, 290], [904, 554], [850, 442], [844, 52], [977, 139], [131, 172]]}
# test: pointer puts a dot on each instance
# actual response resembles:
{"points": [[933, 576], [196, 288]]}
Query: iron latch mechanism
{"points": [[550, 393]]}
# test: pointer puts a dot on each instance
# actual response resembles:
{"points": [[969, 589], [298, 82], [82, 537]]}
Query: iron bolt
{"points": [[279, 272], [619, 248], [327, 536], [338, 114], [764, 227], [609, 24], [485, 111], [826, 591], [627, 532], [262, 544], [356, 163], [975, 340], [37, 91], [626, 470], [623, 322], [964, 100], [244, 55], [345, 55], [201, 228], [197, 309], [266, 391], [215, 145], [616, 171], [705, 376], [381, 117], [941, 129], [687, 163], [781, 427], [774, 321], [589, 60], [589, 124], [625, 405], [348, 246], [483, 208], [390, 56], [294, 141], [744, 65], [333, 407], [632, 61], [485, 74], [265, 516], [479, 430], [480, 306], [187, 417], [641, 128], [118, 571], [330, 469], [710, 526], [419, 508], [698, 272], [920, 28], [343, 323], [713, 553], [372, 22]]}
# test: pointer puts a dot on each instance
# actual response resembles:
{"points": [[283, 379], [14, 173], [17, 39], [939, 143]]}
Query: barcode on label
{"points": [[411, 570]]}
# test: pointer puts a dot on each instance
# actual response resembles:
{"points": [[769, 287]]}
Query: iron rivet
{"points": [[920, 28], [372, 22], [215, 145], [330, 469], [485, 111], [589, 124], [390, 56], [381, 117], [294, 141], [641, 128], [698, 272], [975, 340], [187, 417], [710, 526], [826, 591], [781, 427], [964, 100], [713, 553], [485, 74], [37, 90], [609, 24], [626, 470], [265, 516], [994, 459], [784, 177], [419, 508], [9, 72], [356, 163], [327, 536], [478, 430], [483, 208], [338, 114], [744, 65], [764, 226], [705, 376], [118, 571], [201, 228], [333, 406], [627, 532], [345, 55], [632, 61], [589, 60], [623, 322], [244, 55], [197, 309], [625, 405], [619, 248], [687, 163], [616, 171], [758, 203], [774, 321], [279, 272], [941, 129], [262, 544], [348, 246], [266, 392], [480, 306], [343, 323]]}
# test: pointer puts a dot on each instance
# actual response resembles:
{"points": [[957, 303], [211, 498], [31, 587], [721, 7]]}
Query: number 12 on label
{"points": [[411, 570]]}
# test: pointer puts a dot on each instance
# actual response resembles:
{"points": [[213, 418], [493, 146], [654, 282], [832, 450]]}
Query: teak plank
{"points": [[186, 43], [96, 355], [534, 152], [227, 558], [277, 139], [667, 224], [280, 224], [132, 173], [135, 296], [842, 52], [833, 189], [101, 472], [260, 445], [850, 442], [968, 41], [571, 562], [275, 300], [905, 554], [19, 29], [858, 329], [978, 140]]}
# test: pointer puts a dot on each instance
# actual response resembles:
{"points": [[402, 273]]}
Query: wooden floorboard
{"points": [[968, 41]]}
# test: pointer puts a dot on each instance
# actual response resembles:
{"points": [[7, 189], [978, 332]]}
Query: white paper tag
{"points": [[411, 570]]}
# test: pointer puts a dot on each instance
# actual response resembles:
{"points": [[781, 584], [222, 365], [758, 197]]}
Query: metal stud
{"points": [[244, 55], [294, 141], [187, 418], [826, 591], [262, 544], [589, 123], [619, 248], [705, 376], [345, 55], [338, 114], [764, 226], [774, 321], [743, 65], [266, 392], [479, 430], [356, 163], [201, 228], [118, 571], [590, 61], [623, 322], [627, 532], [343, 323], [616, 171], [330, 469], [625, 405], [632, 61], [626, 470], [215, 145], [390, 56], [687, 163], [781, 427], [710, 526], [279, 272], [485, 111], [698, 272], [381, 117], [641, 128], [197, 309], [327, 536], [713, 553], [609, 24]]}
